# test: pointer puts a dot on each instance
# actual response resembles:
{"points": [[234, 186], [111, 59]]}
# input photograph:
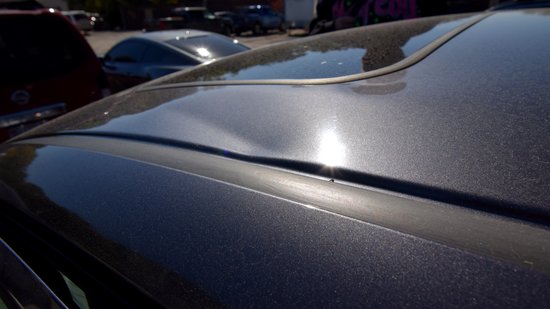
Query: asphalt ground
{"points": [[102, 41]]}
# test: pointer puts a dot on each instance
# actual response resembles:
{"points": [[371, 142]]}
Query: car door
{"points": [[123, 65]]}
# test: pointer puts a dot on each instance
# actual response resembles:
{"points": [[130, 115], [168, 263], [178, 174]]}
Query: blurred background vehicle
{"points": [[299, 13], [80, 19], [198, 18], [20, 5], [257, 18], [520, 4], [47, 68], [97, 21], [150, 55]]}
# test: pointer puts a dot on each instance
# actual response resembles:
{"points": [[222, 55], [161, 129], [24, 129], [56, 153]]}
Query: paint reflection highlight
{"points": [[332, 151]]}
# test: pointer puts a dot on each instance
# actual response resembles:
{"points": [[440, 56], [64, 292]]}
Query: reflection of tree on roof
{"points": [[30, 198]]}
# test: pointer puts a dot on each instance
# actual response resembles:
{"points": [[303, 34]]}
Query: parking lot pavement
{"points": [[102, 41]]}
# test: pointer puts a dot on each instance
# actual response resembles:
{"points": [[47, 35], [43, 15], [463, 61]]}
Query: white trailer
{"points": [[299, 13]]}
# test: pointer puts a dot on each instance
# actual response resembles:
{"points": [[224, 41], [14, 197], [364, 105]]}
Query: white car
{"points": [[80, 19]]}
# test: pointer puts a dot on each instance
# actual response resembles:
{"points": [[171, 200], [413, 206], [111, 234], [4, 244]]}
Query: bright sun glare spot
{"points": [[203, 52], [331, 150]]}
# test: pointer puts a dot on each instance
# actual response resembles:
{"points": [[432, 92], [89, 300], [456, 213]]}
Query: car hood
{"points": [[467, 124]]}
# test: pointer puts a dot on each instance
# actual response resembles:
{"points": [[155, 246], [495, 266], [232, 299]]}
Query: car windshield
{"points": [[37, 47], [80, 16], [207, 47], [335, 54]]}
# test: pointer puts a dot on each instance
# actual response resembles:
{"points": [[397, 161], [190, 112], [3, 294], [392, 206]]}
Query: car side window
{"points": [[41, 269], [209, 15], [130, 51], [20, 287], [180, 13], [159, 55]]}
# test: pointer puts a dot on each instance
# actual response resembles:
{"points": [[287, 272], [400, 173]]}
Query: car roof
{"points": [[462, 121], [190, 8], [162, 36], [38, 11], [257, 6], [73, 12], [520, 4], [421, 183]]}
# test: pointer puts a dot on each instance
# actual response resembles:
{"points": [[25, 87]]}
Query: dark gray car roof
{"points": [[468, 124], [162, 36], [362, 190]]}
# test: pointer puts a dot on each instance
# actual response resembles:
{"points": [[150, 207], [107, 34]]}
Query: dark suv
{"points": [[257, 18], [198, 18], [48, 69]]}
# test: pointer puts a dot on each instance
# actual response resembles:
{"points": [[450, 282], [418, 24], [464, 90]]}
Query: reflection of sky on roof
{"points": [[335, 54], [419, 41], [319, 64], [335, 63]]}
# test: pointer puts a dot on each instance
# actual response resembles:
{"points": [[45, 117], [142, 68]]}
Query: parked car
{"points": [[80, 19], [397, 165], [43, 75], [97, 21], [198, 18], [519, 4], [20, 5], [257, 18], [151, 55]]}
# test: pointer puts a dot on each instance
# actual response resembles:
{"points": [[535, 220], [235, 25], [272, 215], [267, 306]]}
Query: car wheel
{"points": [[226, 30]]}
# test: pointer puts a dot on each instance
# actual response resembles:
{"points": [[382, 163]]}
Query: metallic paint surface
{"points": [[466, 119], [467, 126], [330, 55], [459, 227], [245, 248]]}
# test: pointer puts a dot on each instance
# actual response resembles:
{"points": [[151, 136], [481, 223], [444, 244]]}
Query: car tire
{"points": [[227, 31]]}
